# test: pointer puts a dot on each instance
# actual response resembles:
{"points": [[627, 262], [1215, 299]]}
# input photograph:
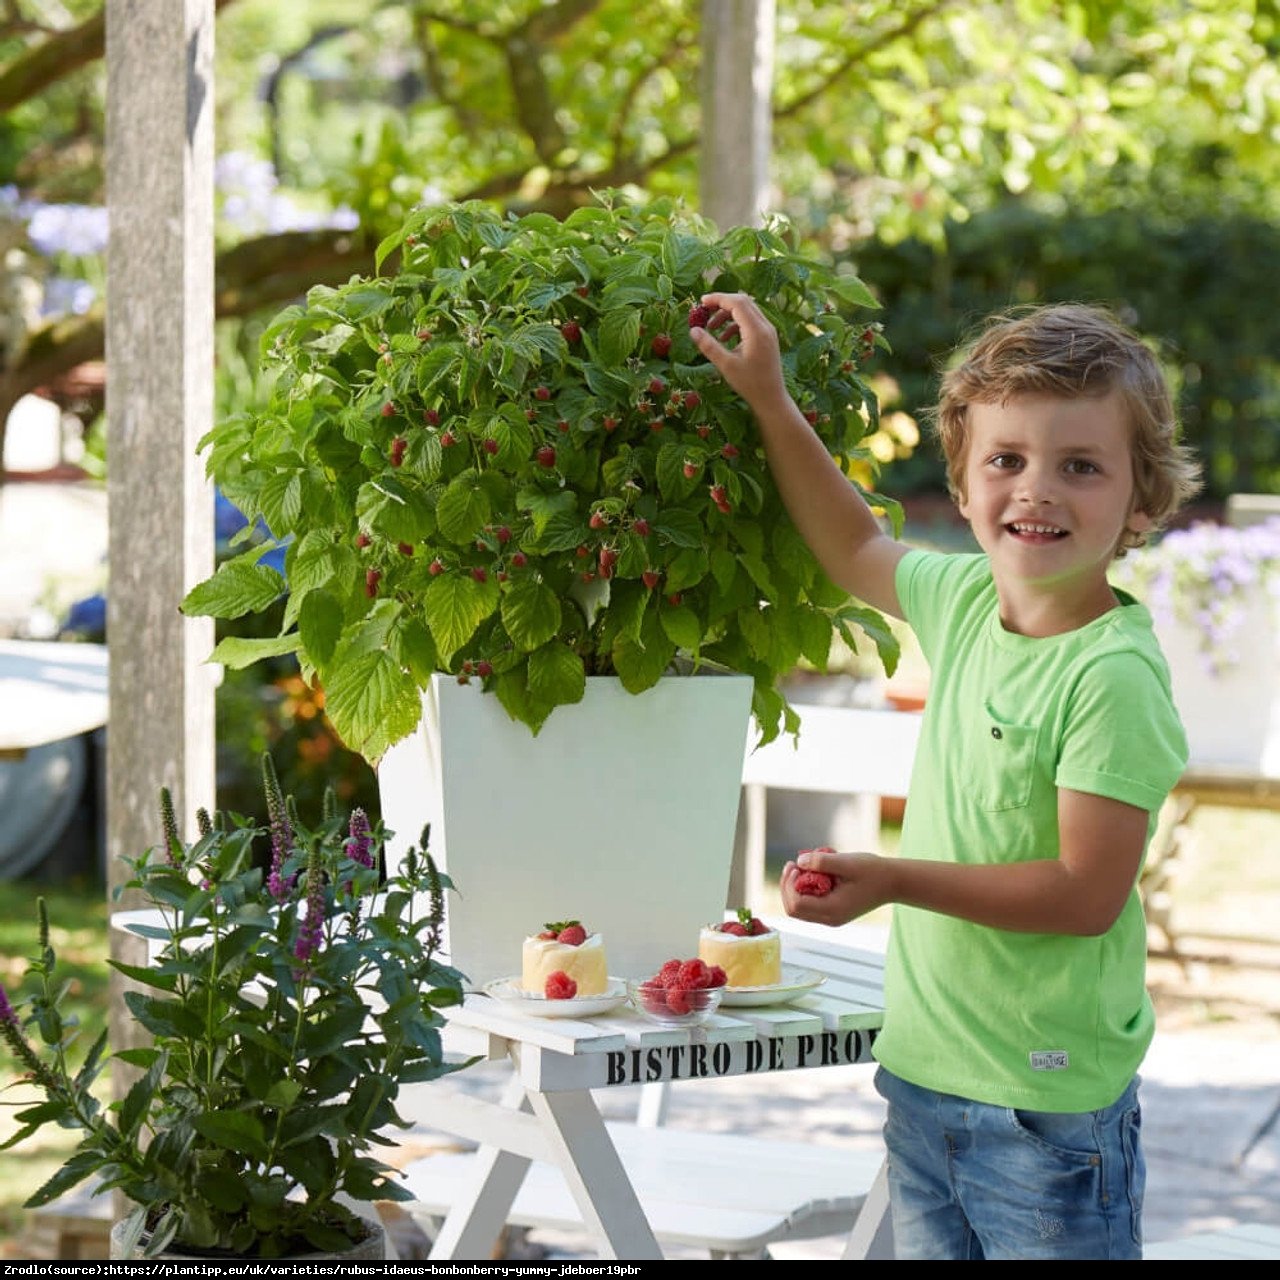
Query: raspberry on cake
{"points": [[565, 948], [749, 952]]}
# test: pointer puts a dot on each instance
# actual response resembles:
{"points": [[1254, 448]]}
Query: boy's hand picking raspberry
{"points": [[814, 884]]}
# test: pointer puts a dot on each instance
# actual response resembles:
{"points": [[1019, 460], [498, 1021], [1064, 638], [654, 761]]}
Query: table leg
{"points": [[591, 1167], [872, 1234], [476, 1220]]}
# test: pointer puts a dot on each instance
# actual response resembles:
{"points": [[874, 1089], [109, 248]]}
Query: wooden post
{"points": [[737, 42], [159, 347]]}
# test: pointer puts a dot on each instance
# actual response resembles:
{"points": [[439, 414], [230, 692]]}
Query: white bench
{"points": [[1248, 1242], [731, 1195]]}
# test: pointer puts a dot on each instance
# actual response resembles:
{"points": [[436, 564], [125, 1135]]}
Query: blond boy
{"points": [[1016, 1007]]}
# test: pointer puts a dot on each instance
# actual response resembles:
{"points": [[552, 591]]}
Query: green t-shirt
{"points": [[1040, 1022]]}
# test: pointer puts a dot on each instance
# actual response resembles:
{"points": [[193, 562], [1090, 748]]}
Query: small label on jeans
{"points": [[1050, 1060]]}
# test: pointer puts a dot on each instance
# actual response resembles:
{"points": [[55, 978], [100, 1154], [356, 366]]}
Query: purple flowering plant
{"points": [[1208, 577], [286, 1004]]}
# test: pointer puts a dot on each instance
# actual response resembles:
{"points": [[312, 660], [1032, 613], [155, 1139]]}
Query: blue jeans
{"points": [[970, 1181]]}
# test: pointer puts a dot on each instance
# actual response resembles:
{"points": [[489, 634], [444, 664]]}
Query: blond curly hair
{"points": [[1071, 351]]}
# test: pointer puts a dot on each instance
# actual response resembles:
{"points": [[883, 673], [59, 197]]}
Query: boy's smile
{"points": [[1048, 491]]}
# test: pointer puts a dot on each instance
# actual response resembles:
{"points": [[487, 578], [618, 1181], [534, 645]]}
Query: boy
{"points": [[1016, 1007]]}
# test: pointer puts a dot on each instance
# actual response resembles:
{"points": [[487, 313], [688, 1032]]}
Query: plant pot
{"points": [[1231, 715], [620, 813], [373, 1248]]}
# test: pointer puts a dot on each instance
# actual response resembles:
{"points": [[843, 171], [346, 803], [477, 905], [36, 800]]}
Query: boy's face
{"points": [[1049, 488]]}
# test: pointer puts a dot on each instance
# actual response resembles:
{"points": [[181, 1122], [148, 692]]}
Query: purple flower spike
{"points": [[309, 935], [360, 845], [7, 1015]]}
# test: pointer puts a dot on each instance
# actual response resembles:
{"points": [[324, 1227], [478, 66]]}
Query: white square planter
{"points": [[1232, 717], [620, 813]]}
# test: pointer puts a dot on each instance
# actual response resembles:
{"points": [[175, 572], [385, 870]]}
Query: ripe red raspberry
{"points": [[431, 417], [598, 520], [572, 936], [641, 527], [560, 986], [662, 345], [656, 386], [447, 438], [668, 972], [610, 424], [424, 335], [363, 540], [546, 456], [734, 927], [698, 317], [813, 884], [695, 974], [678, 997], [484, 668], [371, 579], [491, 446], [757, 927], [572, 330], [690, 469], [650, 578], [398, 446], [729, 451], [692, 399], [479, 573], [503, 534], [519, 560], [405, 548], [542, 393], [436, 567], [388, 409], [718, 976]]}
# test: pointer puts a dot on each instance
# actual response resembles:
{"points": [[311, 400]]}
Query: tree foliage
{"points": [[890, 116]]}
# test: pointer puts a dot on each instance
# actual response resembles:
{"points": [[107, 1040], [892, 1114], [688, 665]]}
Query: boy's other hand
{"points": [[753, 368], [861, 885]]}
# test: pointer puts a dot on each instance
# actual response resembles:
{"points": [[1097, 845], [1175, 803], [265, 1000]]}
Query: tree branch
{"points": [[57, 57]]}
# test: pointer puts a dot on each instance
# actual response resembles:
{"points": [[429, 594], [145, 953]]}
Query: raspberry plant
{"points": [[506, 460]]}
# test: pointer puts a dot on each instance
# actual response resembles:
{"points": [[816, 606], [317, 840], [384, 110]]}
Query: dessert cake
{"points": [[564, 948], [746, 948]]}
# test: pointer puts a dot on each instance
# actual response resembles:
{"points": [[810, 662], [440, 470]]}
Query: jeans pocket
{"points": [[1135, 1167], [1067, 1135]]}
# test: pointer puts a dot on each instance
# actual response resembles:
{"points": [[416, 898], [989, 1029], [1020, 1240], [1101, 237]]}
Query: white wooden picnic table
{"points": [[548, 1111]]}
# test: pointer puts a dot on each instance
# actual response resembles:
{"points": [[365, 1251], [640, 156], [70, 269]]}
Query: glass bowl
{"points": [[674, 1008]]}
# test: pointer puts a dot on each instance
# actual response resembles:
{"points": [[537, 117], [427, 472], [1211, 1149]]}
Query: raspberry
{"points": [[718, 976], [814, 884], [572, 330], [694, 974], [678, 998], [668, 972], [574, 936], [698, 317], [757, 927], [560, 986], [735, 928], [547, 935]]}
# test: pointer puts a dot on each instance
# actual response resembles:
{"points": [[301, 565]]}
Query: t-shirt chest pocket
{"points": [[1004, 761]]}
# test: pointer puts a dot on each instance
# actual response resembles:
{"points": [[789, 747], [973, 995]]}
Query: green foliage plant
{"points": [[286, 1009], [505, 460]]}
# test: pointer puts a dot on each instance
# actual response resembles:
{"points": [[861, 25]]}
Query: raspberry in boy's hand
{"points": [[813, 884]]}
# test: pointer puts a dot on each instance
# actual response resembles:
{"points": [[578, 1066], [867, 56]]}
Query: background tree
{"points": [[891, 116]]}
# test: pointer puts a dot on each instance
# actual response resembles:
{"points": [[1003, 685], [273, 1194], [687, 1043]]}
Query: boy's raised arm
{"points": [[825, 507]]}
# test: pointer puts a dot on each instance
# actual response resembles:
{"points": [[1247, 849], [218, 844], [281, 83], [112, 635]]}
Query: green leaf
{"points": [[531, 614], [238, 652], [455, 605], [463, 509], [238, 587], [640, 663], [556, 675], [618, 334], [678, 526], [371, 702], [76, 1169], [281, 502], [682, 626], [686, 569], [320, 626], [234, 1130], [814, 630]]}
